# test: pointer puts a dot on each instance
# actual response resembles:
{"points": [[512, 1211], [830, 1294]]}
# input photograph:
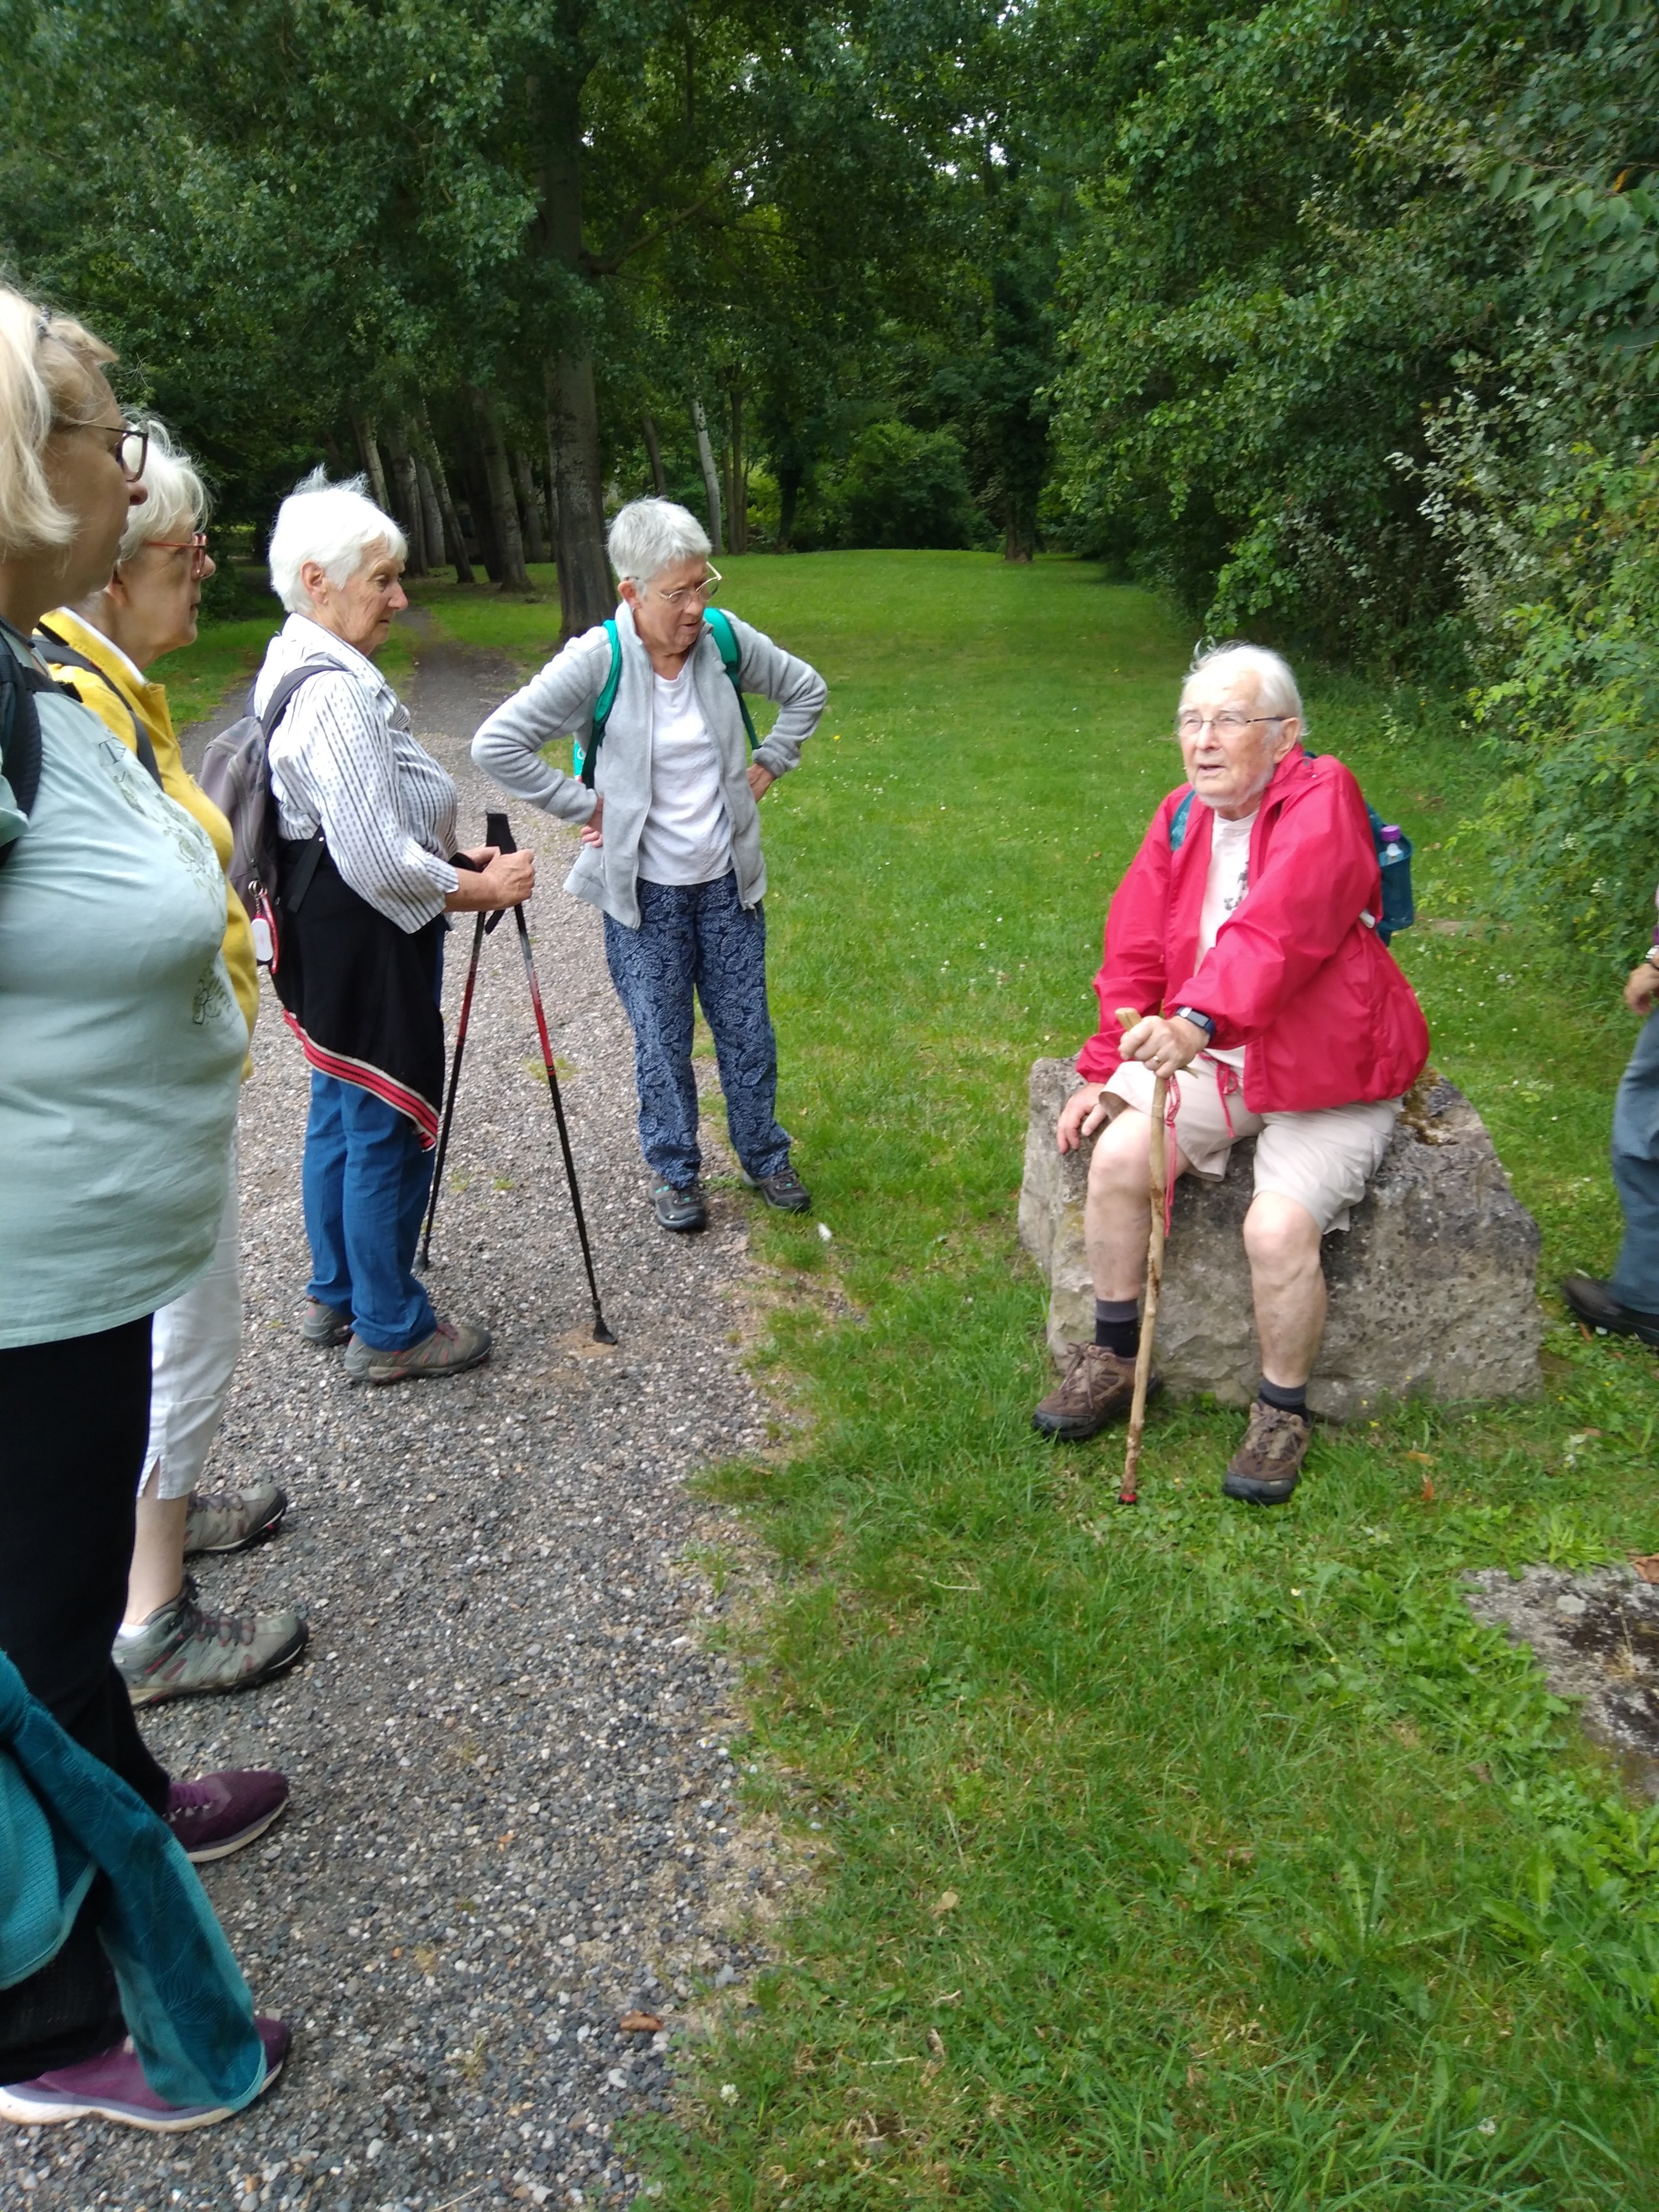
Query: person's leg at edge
{"points": [[651, 968], [1635, 1281], [1287, 1282], [731, 984], [77, 1414], [323, 1191], [387, 1177], [1098, 1381]]}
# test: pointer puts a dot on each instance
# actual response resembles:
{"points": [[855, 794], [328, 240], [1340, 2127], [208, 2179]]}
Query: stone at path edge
{"points": [[1433, 1289]]}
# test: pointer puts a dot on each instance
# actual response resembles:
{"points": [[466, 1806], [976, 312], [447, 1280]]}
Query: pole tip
{"points": [[602, 1333], [1128, 1497]]}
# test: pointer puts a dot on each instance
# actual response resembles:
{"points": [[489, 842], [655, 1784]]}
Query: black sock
{"points": [[1117, 1326], [1288, 1399]]}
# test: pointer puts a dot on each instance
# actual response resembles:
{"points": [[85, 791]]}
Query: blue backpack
{"points": [[584, 760], [1394, 861]]}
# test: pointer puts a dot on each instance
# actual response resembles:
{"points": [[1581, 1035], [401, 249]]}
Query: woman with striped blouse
{"points": [[366, 820]]}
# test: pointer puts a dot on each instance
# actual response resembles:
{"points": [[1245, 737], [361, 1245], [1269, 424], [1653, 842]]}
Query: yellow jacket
{"points": [[110, 699]]}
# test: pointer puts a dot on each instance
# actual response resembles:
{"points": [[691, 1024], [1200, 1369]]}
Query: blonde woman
{"points": [[121, 1049], [101, 650]]}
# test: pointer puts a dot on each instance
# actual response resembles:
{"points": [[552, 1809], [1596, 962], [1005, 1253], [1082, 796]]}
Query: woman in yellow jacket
{"points": [[168, 1645]]}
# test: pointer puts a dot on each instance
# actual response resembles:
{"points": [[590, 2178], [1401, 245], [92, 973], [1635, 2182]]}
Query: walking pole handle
{"points": [[498, 832]]}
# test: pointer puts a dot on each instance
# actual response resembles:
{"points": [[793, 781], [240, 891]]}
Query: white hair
{"points": [[337, 526], [178, 502], [648, 535], [51, 372], [1276, 694]]}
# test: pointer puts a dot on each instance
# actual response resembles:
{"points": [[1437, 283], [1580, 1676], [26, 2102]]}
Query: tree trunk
{"points": [[1016, 545], [364, 427], [432, 461], [530, 505], [711, 482], [653, 448], [432, 519], [476, 488], [585, 594], [407, 507], [737, 505], [790, 480], [552, 489], [578, 491], [511, 575]]}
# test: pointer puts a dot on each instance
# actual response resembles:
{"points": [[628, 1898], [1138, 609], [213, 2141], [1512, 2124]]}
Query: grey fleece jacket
{"points": [[560, 702]]}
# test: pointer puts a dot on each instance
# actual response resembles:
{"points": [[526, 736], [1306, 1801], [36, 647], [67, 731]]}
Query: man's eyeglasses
{"points": [[1227, 724], [703, 592], [196, 546], [129, 449]]}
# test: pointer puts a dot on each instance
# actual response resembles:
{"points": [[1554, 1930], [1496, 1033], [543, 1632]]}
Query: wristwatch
{"points": [[1651, 956], [1202, 1021]]}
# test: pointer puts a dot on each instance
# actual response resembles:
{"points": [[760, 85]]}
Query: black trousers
{"points": [[74, 1417]]}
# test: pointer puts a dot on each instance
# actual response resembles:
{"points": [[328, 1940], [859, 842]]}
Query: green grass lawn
{"points": [[1188, 1857]]}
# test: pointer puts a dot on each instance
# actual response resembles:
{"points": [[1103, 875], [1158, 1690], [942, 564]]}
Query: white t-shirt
{"points": [[1224, 892], [687, 837]]}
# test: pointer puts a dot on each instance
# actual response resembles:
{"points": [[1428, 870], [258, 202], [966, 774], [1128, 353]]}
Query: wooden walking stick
{"points": [[1129, 1495]]}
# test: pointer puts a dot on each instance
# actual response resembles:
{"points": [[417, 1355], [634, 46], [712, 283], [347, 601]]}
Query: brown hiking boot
{"points": [[452, 1348], [1095, 1388], [1264, 1469]]}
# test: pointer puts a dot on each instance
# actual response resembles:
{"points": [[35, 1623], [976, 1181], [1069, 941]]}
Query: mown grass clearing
{"points": [[1181, 1858]]}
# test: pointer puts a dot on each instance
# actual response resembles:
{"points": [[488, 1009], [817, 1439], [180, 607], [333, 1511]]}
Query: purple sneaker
{"points": [[215, 1816], [112, 2087]]}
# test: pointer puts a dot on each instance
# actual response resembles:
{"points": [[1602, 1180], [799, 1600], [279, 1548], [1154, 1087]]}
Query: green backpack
{"points": [[583, 760]]}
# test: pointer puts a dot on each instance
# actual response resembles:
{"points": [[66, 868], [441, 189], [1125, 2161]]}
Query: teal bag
{"points": [[1394, 859], [584, 759]]}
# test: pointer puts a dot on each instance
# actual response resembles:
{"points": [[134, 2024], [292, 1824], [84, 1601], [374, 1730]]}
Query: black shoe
{"points": [[680, 1209], [1596, 1307], [785, 1190]]}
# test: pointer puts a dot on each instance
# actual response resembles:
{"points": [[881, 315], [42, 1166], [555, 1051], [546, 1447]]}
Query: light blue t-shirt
{"points": [[121, 1042]]}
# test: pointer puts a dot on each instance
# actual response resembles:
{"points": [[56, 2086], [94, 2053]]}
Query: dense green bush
{"points": [[902, 487]]}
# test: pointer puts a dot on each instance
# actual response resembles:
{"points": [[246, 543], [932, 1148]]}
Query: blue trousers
{"points": [[1636, 1172], [365, 1181], [697, 938]]}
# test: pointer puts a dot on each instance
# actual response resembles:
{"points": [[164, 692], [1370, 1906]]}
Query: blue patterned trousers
{"points": [[698, 938]]}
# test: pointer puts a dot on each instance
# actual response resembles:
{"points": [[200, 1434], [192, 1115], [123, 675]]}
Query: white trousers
{"points": [[193, 1347]]}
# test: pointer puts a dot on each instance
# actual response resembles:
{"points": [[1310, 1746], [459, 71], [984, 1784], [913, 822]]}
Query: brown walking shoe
{"points": [[452, 1348], [1264, 1469], [1095, 1388]]}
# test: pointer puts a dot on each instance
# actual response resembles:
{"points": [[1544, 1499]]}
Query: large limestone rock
{"points": [[1433, 1289]]}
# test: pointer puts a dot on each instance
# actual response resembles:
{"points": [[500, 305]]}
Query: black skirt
{"points": [[360, 994]]}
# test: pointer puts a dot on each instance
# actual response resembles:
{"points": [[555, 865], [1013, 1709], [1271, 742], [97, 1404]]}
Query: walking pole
{"points": [[454, 1086], [498, 831], [1128, 1495]]}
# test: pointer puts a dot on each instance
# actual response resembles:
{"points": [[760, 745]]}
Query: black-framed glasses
{"points": [[1227, 724], [130, 449], [195, 545], [704, 590]]}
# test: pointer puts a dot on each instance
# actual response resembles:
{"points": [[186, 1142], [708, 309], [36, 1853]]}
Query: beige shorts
{"points": [[1324, 1160]]}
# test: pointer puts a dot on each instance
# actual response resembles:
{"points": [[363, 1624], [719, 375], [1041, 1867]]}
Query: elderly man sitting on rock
{"points": [[1243, 933]]}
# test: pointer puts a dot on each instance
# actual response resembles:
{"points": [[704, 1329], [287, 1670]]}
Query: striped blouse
{"points": [[344, 760]]}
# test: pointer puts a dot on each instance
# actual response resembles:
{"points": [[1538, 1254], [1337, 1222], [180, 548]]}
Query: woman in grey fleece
{"points": [[670, 839]]}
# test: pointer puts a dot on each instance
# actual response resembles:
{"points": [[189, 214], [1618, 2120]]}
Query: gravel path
{"points": [[512, 1801]]}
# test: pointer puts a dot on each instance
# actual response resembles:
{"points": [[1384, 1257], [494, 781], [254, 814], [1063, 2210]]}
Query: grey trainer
{"points": [[321, 1324], [452, 1348], [231, 1520], [680, 1208], [784, 1190], [183, 1652]]}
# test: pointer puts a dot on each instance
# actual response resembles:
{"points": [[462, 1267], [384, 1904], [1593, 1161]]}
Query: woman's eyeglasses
{"points": [[130, 448], [196, 546], [703, 592]]}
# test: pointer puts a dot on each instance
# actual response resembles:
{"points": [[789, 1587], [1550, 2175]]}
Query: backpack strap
{"points": [[720, 624], [20, 731], [587, 757], [1178, 824], [277, 706], [52, 647]]}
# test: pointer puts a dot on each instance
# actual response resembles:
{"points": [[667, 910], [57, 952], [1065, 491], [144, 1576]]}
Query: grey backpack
{"points": [[235, 774]]}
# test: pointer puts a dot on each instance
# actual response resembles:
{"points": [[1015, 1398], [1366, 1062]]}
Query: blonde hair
{"points": [[50, 370], [178, 502]]}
